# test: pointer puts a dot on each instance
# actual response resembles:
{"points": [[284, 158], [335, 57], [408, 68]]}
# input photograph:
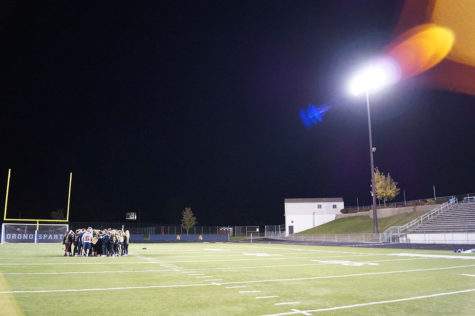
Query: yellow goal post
{"points": [[37, 221]]}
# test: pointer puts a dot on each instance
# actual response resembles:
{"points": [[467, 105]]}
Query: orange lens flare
{"points": [[421, 48]]}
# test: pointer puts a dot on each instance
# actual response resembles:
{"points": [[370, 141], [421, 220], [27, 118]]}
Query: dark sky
{"points": [[160, 105]]}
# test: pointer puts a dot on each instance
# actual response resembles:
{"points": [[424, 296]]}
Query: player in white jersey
{"points": [[87, 242]]}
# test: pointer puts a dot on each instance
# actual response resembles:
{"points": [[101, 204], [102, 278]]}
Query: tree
{"points": [[188, 220], [386, 187]]}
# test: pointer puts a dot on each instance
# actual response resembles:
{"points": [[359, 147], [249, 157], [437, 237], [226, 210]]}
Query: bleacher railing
{"points": [[394, 233]]}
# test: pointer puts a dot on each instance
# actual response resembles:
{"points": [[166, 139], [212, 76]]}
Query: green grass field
{"points": [[236, 279], [362, 224]]}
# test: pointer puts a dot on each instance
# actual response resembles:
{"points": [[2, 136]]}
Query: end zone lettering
{"points": [[58, 237]]}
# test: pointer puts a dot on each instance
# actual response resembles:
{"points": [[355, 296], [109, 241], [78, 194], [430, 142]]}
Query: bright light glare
{"points": [[379, 74]]}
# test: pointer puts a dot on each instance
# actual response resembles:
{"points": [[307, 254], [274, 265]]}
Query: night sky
{"points": [[161, 105]]}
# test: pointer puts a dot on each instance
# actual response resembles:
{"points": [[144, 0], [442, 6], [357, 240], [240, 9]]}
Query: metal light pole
{"points": [[375, 76], [373, 186]]}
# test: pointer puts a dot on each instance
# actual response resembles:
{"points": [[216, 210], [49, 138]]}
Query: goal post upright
{"points": [[69, 195], [6, 195]]}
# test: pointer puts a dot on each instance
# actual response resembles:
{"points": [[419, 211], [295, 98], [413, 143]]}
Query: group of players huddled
{"points": [[92, 242]]}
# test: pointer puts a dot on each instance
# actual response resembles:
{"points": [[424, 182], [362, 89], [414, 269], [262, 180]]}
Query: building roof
{"points": [[317, 200]]}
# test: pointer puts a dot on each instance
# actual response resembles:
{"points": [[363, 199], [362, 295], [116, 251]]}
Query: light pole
{"points": [[371, 158], [379, 74]]}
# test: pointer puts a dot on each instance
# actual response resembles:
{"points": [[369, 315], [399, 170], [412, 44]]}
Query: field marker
{"points": [[83, 272], [243, 292], [432, 256], [286, 303], [236, 287], [261, 254], [265, 297], [293, 312], [348, 263], [109, 289], [296, 311], [204, 277], [469, 275], [68, 263]]}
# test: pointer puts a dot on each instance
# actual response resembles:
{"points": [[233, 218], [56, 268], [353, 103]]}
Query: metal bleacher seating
{"points": [[460, 218]]}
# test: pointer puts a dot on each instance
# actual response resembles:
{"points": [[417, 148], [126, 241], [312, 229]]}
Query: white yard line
{"points": [[246, 282], [294, 312], [195, 274], [69, 263], [433, 256], [169, 263], [265, 297], [110, 289], [348, 275], [236, 287], [287, 303], [469, 275], [84, 272], [244, 292]]}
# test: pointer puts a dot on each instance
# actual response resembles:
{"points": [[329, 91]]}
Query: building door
{"points": [[291, 230]]}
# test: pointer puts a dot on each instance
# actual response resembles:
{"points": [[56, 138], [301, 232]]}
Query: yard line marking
{"points": [[204, 277], [68, 263], [432, 256], [242, 292], [214, 280], [469, 275], [347, 275], [152, 261], [109, 289], [374, 303], [261, 254], [348, 263], [243, 282], [296, 311], [265, 297], [286, 303], [84, 272], [293, 265], [236, 287]]}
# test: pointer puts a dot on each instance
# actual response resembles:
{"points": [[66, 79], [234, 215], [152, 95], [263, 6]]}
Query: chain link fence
{"points": [[154, 229]]}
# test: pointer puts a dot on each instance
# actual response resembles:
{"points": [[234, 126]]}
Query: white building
{"points": [[302, 214]]}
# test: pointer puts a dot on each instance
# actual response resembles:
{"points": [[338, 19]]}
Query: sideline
{"points": [[8, 304], [308, 312]]}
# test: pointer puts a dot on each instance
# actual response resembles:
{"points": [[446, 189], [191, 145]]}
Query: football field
{"points": [[236, 279]]}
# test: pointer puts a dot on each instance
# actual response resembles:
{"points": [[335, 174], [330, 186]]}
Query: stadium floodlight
{"points": [[375, 76]]}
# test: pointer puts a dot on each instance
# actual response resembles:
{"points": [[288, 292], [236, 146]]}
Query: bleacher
{"points": [[461, 218]]}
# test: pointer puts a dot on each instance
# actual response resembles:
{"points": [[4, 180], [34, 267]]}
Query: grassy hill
{"points": [[362, 224]]}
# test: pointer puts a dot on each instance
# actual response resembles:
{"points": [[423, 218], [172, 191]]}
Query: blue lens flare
{"points": [[313, 115]]}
